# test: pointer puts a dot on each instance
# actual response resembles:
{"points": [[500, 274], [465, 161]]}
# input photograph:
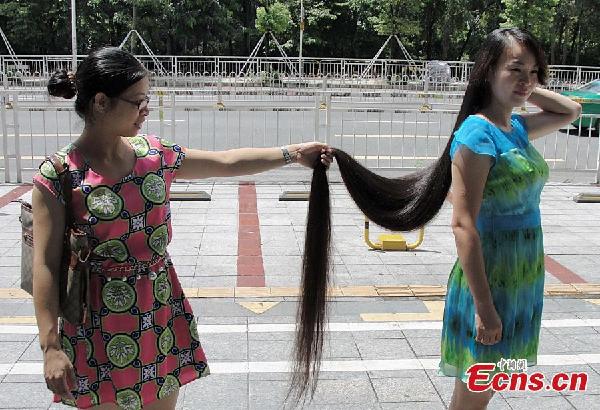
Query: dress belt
{"points": [[151, 268]]}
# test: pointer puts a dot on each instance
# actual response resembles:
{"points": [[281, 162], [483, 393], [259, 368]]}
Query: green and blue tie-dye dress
{"points": [[510, 230]]}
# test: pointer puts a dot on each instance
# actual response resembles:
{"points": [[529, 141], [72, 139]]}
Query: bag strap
{"points": [[64, 176]]}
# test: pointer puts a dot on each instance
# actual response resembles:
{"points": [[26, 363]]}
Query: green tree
{"points": [[535, 16], [399, 17], [275, 18], [430, 29], [51, 20]]}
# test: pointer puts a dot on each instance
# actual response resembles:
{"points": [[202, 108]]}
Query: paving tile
{"points": [[355, 390], [10, 352], [589, 401], [32, 353], [540, 403], [217, 392], [425, 346], [381, 349], [275, 390], [24, 396], [413, 405], [234, 347]]}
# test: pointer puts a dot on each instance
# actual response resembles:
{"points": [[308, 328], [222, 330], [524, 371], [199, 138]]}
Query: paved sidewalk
{"points": [[382, 346]]}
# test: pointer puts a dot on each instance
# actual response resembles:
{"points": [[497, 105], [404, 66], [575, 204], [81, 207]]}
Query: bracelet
{"points": [[286, 155]]}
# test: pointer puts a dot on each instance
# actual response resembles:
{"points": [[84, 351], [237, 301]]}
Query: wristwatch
{"points": [[286, 155]]}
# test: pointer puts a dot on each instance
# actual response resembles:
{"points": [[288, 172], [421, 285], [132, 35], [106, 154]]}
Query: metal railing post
{"points": [[328, 118], [316, 118], [5, 137], [15, 107], [598, 155], [175, 68], [161, 114], [173, 110]]}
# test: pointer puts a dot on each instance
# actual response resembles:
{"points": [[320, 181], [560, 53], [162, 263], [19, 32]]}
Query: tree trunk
{"points": [[430, 19], [557, 28], [353, 50], [248, 11], [576, 34], [464, 46], [446, 38]]}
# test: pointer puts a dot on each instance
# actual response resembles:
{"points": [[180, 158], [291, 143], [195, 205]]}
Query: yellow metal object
{"points": [[294, 196], [392, 242], [591, 197]]}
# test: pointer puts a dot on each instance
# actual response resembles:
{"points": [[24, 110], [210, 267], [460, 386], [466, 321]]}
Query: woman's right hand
{"points": [[488, 325], [59, 373]]}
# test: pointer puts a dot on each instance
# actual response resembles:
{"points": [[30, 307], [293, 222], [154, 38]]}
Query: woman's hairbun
{"points": [[62, 84]]}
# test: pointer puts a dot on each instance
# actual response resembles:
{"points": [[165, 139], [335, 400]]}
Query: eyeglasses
{"points": [[141, 104]]}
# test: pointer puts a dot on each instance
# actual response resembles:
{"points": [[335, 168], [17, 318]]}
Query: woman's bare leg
{"points": [[465, 399]]}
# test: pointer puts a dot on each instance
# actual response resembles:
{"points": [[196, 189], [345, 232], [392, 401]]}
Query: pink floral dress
{"points": [[140, 342]]}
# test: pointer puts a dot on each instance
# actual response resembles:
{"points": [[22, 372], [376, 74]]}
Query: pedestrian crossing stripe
{"points": [[418, 291], [430, 363], [24, 328]]}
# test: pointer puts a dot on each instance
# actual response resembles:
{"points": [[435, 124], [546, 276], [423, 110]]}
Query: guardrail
{"points": [[379, 134], [204, 71]]}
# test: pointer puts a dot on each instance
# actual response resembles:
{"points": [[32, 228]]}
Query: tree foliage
{"points": [[429, 29], [275, 18]]}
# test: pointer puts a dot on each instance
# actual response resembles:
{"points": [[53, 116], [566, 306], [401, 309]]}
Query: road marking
{"points": [[331, 327], [394, 122], [406, 158], [435, 311], [562, 273], [250, 265], [258, 307], [418, 291], [20, 320], [389, 136], [394, 157], [431, 363], [13, 194]]}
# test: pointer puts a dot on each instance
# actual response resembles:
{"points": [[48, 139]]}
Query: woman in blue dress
{"points": [[495, 290]]}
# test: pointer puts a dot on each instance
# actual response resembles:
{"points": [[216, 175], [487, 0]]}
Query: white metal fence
{"points": [[380, 134], [33, 71]]}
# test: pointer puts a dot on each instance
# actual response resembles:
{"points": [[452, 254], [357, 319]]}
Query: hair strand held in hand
{"points": [[315, 281]]}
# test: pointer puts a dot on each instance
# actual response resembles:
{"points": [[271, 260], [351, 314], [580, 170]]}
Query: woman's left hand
{"points": [[308, 153]]}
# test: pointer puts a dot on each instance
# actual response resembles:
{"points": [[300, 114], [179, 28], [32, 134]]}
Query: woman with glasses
{"points": [[140, 342]]}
